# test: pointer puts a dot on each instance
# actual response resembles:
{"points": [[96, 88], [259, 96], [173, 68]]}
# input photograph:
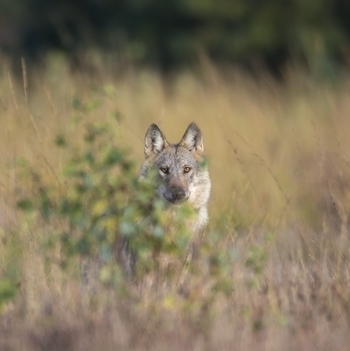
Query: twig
{"points": [[12, 91], [25, 80]]}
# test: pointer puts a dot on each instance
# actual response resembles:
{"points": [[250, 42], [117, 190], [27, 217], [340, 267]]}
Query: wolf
{"points": [[181, 177], [182, 172]]}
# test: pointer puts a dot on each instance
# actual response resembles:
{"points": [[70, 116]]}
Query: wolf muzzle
{"points": [[175, 194]]}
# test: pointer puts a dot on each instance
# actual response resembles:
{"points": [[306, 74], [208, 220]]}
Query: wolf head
{"points": [[181, 167]]}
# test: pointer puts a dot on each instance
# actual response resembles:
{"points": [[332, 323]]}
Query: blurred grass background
{"points": [[279, 147], [268, 84], [279, 162]]}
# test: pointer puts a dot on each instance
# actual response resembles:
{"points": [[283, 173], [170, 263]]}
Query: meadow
{"points": [[275, 253]]}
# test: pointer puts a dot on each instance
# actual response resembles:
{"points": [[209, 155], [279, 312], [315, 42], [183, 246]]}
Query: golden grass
{"points": [[279, 163]]}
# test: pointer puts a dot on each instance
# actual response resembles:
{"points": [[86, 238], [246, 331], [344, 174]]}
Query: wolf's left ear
{"points": [[154, 140], [193, 139]]}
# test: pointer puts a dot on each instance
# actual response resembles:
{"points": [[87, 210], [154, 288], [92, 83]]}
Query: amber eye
{"points": [[187, 169], [164, 170]]}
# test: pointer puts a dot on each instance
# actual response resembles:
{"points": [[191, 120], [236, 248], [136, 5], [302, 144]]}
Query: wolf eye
{"points": [[187, 169], [164, 170]]}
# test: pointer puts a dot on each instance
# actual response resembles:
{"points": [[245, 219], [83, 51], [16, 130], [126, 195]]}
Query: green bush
{"points": [[102, 205]]}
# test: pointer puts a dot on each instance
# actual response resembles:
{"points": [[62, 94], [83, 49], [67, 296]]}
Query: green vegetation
{"points": [[272, 268], [172, 34]]}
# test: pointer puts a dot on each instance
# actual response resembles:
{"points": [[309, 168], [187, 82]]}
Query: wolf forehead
{"points": [[177, 156]]}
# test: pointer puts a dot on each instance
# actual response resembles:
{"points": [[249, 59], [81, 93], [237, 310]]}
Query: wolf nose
{"points": [[178, 193]]}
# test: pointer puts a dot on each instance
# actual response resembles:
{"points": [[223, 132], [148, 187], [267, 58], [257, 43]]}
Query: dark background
{"points": [[173, 33]]}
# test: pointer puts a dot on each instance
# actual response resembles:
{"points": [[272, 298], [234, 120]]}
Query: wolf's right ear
{"points": [[193, 139], [154, 140]]}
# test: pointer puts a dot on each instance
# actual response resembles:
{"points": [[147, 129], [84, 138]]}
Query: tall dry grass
{"points": [[279, 162]]}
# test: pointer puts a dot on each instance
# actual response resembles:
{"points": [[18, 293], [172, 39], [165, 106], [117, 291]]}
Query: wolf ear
{"points": [[193, 139], [154, 140]]}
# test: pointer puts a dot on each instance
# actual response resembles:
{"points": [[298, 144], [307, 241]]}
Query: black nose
{"points": [[177, 193]]}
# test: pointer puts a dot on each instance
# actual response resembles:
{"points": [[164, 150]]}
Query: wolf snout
{"points": [[176, 194]]}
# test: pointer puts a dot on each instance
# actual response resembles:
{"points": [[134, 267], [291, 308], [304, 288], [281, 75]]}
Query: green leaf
{"points": [[25, 205], [60, 140], [113, 156], [76, 103], [7, 291]]}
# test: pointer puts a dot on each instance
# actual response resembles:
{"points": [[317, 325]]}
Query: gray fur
{"points": [[182, 171]]}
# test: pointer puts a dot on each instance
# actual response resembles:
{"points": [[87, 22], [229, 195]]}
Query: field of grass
{"points": [[279, 159]]}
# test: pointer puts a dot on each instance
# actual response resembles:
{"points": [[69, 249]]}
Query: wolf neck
{"points": [[202, 218]]}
